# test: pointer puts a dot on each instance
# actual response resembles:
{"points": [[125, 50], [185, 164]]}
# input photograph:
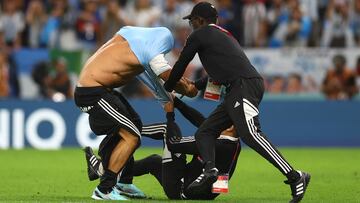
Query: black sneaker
{"points": [[204, 182], [298, 188], [93, 164]]}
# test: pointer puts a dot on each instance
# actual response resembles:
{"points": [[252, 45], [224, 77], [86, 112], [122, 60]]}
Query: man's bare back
{"points": [[113, 65]]}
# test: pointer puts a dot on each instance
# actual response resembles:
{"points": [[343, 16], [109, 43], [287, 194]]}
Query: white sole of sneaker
{"points": [[93, 196]]}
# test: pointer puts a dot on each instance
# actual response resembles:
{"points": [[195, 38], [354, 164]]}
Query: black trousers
{"points": [[108, 112], [175, 174], [172, 174], [240, 107]]}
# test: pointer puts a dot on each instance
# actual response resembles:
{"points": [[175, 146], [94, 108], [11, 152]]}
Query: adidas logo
{"points": [[236, 104], [300, 189]]}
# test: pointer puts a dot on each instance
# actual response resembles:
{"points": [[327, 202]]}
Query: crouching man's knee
{"points": [[133, 140]]}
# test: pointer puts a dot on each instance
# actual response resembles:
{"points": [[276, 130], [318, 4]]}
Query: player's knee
{"points": [[133, 141]]}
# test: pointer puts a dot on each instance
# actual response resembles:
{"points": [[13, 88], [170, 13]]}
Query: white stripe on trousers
{"points": [[105, 105], [161, 129], [153, 132], [187, 139], [127, 120], [261, 143], [251, 105], [153, 126], [271, 148], [152, 129], [120, 118]]}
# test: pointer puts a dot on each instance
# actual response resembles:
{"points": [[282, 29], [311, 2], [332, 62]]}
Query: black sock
{"points": [[293, 176], [107, 181], [127, 173]]}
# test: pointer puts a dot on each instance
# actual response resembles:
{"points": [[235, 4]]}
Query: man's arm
{"points": [[187, 54], [173, 132], [161, 68], [174, 140], [191, 114], [183, 87]]}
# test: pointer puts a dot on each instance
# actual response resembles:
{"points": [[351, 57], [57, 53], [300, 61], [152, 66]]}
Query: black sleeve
{"points": [[201, 83], [154, 131], [174, 140], [173, 132], [186, 145], [187, 54], [191, 114]]}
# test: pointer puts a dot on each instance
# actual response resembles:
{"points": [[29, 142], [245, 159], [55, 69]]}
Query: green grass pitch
{"points": [[43, 176]]}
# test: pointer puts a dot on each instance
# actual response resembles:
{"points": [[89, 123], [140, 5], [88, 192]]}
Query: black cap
{"points": [[203, 9]]}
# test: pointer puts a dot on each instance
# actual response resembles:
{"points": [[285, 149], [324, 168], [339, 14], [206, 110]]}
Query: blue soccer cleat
{"points": [[113, 195], [129, 190]]}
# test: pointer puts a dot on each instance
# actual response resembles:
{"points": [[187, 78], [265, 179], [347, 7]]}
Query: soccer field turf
{"points": [[31, 175]]}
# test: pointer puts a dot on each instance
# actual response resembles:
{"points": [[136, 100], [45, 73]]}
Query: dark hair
{"points": [[296, 76], [277, 77], [340, 58], [211, 20]]}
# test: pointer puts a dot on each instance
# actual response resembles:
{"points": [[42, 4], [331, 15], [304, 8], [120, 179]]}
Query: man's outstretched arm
{"points": [[187, 54], [191, 114]]}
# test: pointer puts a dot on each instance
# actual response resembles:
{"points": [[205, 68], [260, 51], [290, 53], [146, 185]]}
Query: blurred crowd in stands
{"points": [[86, 24]]}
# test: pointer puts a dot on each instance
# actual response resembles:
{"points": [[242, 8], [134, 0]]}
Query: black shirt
{"points": [[220, 54]]}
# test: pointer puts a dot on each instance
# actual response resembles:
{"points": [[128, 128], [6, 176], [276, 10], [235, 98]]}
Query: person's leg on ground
{"points": [[172, 173], [151, 164]]}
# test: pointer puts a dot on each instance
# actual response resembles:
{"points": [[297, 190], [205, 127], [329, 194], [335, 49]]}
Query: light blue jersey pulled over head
{"points": [[146, 43]]}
